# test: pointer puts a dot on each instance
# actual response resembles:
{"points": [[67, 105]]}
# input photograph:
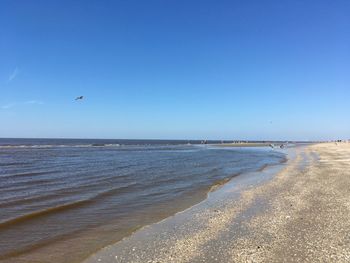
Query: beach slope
{"points": [[301, 215]]}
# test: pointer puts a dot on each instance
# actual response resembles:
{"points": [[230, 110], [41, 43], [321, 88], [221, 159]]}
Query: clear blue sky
{"points": [[175, 69]]}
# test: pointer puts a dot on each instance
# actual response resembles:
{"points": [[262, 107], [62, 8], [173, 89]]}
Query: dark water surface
{"points": [[61, 200]]}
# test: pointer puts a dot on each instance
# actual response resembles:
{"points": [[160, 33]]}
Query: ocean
{"points": [[63, 199]]}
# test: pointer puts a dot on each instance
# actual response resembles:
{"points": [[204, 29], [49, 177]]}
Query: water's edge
{"points": [[245, 180]]}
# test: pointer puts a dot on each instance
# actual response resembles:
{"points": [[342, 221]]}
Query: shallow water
{"points": [[64, 199]]}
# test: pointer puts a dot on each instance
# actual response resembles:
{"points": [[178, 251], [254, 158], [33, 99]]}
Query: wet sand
{"points": [[298, 212]]}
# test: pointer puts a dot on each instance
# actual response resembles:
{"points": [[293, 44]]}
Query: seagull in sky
{"points": [[79, 98]]}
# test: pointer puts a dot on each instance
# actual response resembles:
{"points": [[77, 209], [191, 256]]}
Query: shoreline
{"points": [[216, 192], [300, 215], [83, 244]]}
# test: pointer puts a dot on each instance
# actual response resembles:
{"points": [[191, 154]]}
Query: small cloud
{"points": [[34, 102], [8, 106], [31, 102], [13, 75]]}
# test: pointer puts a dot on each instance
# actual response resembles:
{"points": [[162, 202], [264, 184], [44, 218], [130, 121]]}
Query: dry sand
{"points": [[301, 215]]}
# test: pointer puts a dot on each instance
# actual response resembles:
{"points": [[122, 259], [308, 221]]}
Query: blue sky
{"points": [[175, 69]]}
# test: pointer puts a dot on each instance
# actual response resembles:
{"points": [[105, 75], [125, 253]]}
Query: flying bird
{"points": [[79, 98]]}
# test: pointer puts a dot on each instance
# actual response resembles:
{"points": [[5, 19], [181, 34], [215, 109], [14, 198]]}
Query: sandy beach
{"points": [[297, 212], [174, 131]]}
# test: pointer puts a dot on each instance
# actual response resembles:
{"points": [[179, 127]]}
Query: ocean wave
{"points": [[67, 206], [40, 213], [27, 174]]}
